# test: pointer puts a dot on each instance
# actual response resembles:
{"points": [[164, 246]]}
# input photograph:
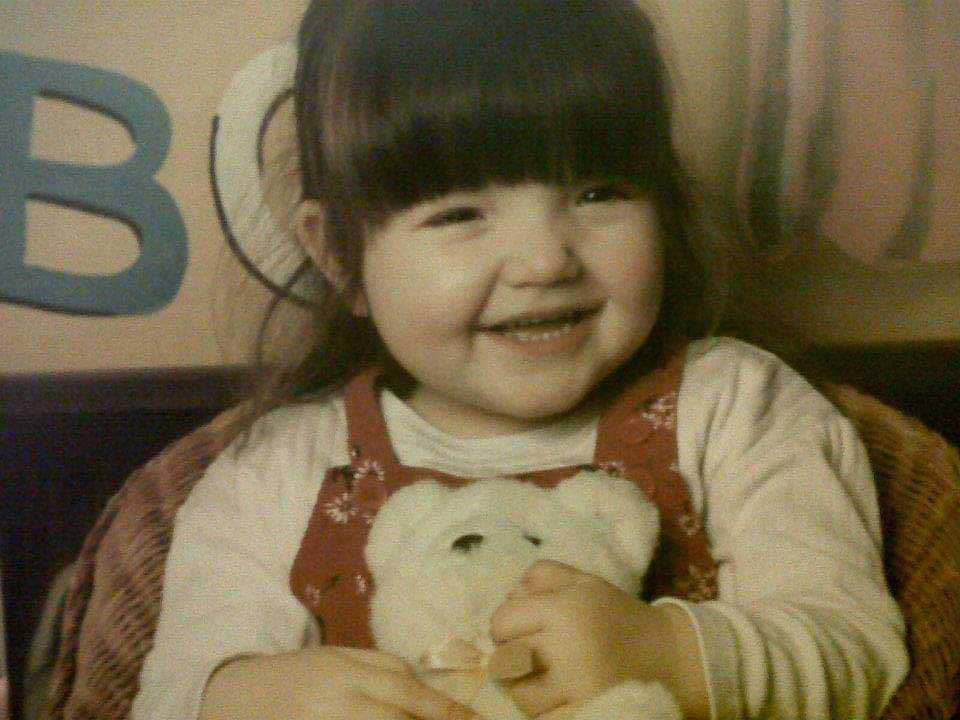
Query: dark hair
{"points": [[398, 101]]}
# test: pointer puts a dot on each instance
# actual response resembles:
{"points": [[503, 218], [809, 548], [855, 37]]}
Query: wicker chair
{"points": [[918, 484], [112, 607]]}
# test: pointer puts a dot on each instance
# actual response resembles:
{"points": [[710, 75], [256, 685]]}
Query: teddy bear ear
{"points": [[398, 517], [631, 520]]}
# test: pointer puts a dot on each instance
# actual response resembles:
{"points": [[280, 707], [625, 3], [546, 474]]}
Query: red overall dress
{"points": [[636, 439]]}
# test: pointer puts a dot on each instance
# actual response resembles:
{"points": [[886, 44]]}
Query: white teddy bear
{"points": [[444, 559]]}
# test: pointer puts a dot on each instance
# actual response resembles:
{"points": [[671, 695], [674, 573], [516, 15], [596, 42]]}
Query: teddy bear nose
{"points": [[466, 543]]}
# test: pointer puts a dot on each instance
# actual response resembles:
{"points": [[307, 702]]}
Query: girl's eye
{"points": [[610, 192], [453, 216]]}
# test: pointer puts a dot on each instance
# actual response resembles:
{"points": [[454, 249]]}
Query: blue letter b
{"points": [[126, 192]]}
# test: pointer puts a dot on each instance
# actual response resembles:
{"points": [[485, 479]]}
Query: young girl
{"points": [[513, 284]]}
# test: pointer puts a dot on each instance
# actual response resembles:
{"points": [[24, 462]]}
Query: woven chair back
{"points": [[918, 485]]}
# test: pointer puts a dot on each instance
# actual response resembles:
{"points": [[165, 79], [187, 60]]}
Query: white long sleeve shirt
{"points": [[804, 626]]}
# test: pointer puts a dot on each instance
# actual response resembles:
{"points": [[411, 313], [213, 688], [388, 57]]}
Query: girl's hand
{"points": [[586, 636], [327, 683]]}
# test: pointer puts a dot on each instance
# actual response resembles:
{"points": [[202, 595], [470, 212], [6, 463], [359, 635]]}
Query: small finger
{"points": [[517, 618], [511, 661], [537, 695], [546, 576]]}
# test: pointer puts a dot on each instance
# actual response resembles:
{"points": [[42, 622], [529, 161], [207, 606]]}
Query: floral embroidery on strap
{"points": [[366, 467], [354, 451], [363, 491], [314, 595], [689, 523], [615, 468], [654, 416], [341, 508], [661, 412], [699, 585]]}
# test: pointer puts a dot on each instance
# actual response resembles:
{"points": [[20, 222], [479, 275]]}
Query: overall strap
{"points": [[329, 574], [637, 439], [366, 428]]}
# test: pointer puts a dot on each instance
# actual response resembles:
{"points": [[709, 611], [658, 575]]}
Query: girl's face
{"points": [[510, 303]]}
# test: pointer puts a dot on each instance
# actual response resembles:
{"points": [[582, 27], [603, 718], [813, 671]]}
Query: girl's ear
{"points": [[398, 519], [629, 519], [309, 226]]}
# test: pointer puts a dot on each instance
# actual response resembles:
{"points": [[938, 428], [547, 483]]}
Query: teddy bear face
{"points": [[444, 559], [473, 563]]}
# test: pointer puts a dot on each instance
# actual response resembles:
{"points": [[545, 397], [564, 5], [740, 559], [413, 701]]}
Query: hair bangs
{"points": [[449, 96]]}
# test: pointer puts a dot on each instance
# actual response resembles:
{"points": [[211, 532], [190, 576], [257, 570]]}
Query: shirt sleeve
{"points": [[226, 587], [804, 625]]}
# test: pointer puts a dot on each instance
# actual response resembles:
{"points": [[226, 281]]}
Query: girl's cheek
{"points": [[464, 271]]}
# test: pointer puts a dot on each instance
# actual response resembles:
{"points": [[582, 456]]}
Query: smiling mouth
{"points": [[542, 329]]}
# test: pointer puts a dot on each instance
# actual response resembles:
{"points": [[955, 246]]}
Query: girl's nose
{"points": [[541, 253]]}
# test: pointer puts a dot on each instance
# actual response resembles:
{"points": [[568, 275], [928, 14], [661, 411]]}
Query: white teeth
{"points": [[517, 324], [531, 336]]}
